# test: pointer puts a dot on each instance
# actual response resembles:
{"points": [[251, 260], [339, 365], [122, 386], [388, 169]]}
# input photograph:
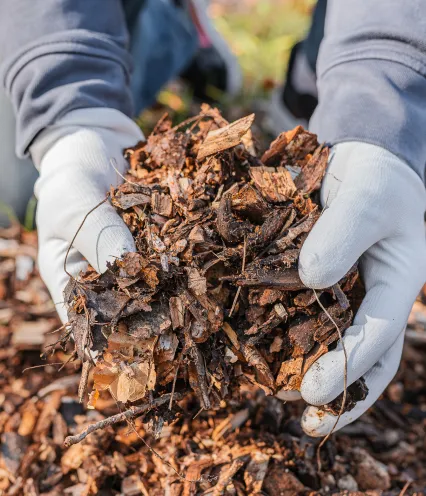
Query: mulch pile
{"points": [[212, 299], [200, 369]]}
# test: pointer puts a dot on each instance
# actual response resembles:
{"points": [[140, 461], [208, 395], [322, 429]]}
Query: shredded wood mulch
{"points": [[211, 301], [159, 438]]}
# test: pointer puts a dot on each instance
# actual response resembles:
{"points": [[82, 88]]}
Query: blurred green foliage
{"points": [[261, 33]]}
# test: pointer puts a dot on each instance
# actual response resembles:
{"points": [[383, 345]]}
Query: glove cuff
{"points": [[127, 132]]}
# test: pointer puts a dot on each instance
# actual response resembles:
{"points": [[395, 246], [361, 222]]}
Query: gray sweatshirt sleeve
{"points": [[62, 55], [372, 77]]}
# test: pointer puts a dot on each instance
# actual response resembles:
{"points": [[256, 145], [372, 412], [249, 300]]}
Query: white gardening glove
{"points": [[374, 213], [74, 159]]}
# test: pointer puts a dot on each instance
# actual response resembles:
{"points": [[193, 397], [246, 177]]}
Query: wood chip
{"points": [[275, 184], [225, 137]]}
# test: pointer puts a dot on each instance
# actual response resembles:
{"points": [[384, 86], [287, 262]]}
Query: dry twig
{"points": [[82, 387], [345, 383], [120, 417], [76, 234], [243, 268]]}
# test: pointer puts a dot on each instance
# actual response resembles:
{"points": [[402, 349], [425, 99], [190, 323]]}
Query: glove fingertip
{"points": [[289, 395], [315, 272], [317, 388], [111, 251], [316, 422], [105, 239]]}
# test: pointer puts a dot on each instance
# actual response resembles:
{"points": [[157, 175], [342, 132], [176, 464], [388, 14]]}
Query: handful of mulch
{"points": [[211, 301]]}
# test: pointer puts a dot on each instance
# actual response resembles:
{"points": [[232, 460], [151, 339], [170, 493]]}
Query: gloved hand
{"points": [[375, 213], [74, 160]]}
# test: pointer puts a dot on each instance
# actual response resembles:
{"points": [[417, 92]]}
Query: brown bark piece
{"points": [[317, 351], [255, 472], [129, 200], [305, 299], [326, 332], [196, 282], [132, 384], [290, 374], [161, 204], [226, 475], [248, 202], [177, 311], [291, 148], [256, 360], [28, 419], [197, 377], [303, 227], [194, 473], [269, 296], [47, 414], [310, 177], [225, 137], [280, 481], [289, 280], [229, 226], [301, 334], [269, 230], [274, 155], [276, 185]]}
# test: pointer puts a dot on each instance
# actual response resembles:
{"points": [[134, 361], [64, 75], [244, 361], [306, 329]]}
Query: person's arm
{"points": [[65, 67], [371, 77], [60, 55], [372, 109]]}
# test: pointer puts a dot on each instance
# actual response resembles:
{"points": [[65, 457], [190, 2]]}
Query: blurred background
{"points": [[261, 33]]}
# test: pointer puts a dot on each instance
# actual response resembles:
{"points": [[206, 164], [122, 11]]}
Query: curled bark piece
{"points": [[290, 146], [256, 360], [296, 231], [310, 177], [230, 228], [269, 230], [197, 377]]}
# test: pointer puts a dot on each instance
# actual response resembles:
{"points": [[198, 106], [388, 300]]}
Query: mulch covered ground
{"points": [[209, 425]]}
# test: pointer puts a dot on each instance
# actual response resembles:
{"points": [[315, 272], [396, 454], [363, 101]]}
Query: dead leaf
{"points": [[132, 385]]}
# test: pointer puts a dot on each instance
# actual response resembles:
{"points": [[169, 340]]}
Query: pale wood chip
{"points": [[225, 137], [275, 184]]}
